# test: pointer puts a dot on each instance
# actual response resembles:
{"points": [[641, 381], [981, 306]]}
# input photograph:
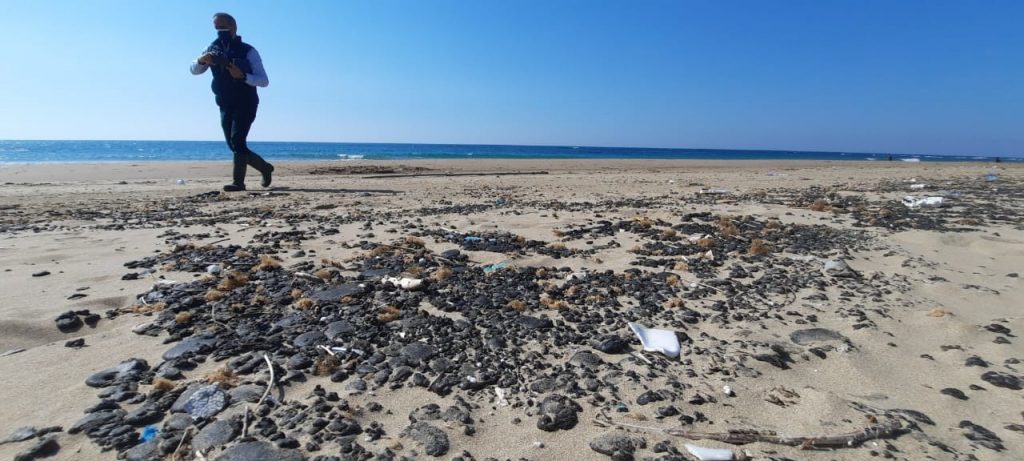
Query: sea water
{"points": [[137, 151]]}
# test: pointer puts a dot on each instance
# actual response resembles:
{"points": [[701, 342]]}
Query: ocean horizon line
{"points": [[92, 151]]}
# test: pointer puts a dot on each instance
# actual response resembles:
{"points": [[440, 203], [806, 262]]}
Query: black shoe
{"points": [[267, 178], [234, 187]]}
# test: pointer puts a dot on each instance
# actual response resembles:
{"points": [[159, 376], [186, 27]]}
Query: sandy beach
{"points": [[809, 289]]}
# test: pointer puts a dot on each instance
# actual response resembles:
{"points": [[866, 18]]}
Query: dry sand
{"points": [[963, 273]]}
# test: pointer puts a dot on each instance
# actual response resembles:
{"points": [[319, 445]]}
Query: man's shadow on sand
{"points": [[333, 191]]}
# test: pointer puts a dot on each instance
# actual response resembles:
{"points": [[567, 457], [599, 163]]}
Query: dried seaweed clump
{"points": [[267, 263]]}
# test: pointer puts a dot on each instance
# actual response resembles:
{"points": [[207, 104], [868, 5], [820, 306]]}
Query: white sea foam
{"points": [[350, 156]]}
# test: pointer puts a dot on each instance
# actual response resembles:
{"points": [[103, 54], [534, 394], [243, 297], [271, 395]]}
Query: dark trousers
{"points": [[236, 119]]}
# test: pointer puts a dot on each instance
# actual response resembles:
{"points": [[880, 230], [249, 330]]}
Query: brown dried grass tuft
{"points": [[388, 314], [224, 376], [162, 384], [260, 300], [296, 293], [182, 317], [727, 228], [214, 295], [938, 312], [324, 274], [675, 303], [304, 304], [672, 280], [557, 246], [415, 271], [147, 308], [330, 263], [706, 243], [681, 266], [325, 365], [669, 233], [517, 305], [759, 247], [347, 300], [243, 254], [541, 273], [643, 221], [821, 205], [558, 233], [379, 250], [267, 263], [552, 303], [414, 242], [232, 280], [773, 225], [442, 273]]}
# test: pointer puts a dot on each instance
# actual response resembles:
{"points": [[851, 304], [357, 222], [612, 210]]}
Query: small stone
{"points": [[982, 436], [259, 451], [649, 397], [95, 420], [998, 329], [433, 440], [358, 385], [534, 323], [558, 412], [586, 359], [619, 446], [215, 434], [334, 294], [1000, 379], [310, 339], [417, 353], [41, 274], [19, 434], [194, 345], [340, 329], [975, 361], [612, 344], [147, 451], [201, 402], [246, 393], [75, 343], [68, 322], [125, 371], [954, 392], [46, 446]]}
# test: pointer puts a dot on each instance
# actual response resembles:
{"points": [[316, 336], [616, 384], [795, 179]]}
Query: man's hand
{"points": [[205, 59], [236, 73]]}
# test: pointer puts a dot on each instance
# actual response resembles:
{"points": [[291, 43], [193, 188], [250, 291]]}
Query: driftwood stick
{"points": [[269, 384], [414, 175], [887, 429]]}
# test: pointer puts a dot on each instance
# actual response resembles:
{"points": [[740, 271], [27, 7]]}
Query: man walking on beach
{"points": [[237, 70]]}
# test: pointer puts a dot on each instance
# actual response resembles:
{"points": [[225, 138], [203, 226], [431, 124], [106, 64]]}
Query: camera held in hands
{"points": [[220, 60]]}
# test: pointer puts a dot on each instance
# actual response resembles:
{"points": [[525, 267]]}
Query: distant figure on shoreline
{"points": [[237, 70]]}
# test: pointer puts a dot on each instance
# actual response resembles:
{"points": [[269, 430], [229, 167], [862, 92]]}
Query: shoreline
{"points": [[173, 170]]}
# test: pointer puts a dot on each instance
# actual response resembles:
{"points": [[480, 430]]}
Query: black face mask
{"points": [[224, 35]]}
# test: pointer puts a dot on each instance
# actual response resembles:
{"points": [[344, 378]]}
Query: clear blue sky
{"points": [[868, 76]]}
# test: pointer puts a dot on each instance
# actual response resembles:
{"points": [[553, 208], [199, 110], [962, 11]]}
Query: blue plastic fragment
{"points": [[148, 433]]}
